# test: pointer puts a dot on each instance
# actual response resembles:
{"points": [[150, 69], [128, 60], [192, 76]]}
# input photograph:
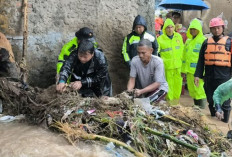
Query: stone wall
{"points": [[52, 23]]}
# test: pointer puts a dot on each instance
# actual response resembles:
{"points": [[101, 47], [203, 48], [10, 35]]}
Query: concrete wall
{"points": [[54, 22], [216, 8]]}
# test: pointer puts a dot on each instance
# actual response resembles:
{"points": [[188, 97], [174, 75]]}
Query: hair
{"points": [[145, 42], [85, 46], [84, 33], [176, 13]]}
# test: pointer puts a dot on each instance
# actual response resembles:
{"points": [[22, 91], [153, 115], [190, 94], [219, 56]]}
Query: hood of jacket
{"points": [[196, 24], [167, 23], [139, 20]]}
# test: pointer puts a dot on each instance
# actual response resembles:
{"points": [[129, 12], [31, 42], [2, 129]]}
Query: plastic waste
{"points": [[110, 147], [144, 103], [158, 113], [203, 152], [9, 118], [192, 134]]}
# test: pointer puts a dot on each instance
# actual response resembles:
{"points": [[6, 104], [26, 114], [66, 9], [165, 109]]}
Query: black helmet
{"points": [[84, 33]]}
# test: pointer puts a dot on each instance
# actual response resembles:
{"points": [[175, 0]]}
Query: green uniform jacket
{"points": [[192, 48], [171, 50]]}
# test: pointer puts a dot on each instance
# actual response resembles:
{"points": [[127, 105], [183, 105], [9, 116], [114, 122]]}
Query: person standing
{"points": [[214, 64], [171, 51], [190, 57], [139, 31]]}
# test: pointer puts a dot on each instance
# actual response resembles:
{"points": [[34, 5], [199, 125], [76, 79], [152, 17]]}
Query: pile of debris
{"points": [[141, 128]]}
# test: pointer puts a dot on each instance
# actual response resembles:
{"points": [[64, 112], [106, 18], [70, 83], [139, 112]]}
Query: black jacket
{"points": [[132, 49], [212, 71], [93, 75]]}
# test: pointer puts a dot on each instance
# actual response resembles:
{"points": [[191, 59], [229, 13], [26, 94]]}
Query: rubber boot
{"points": [[196, 102], [226, 116], [202, 103], [212, 111]]}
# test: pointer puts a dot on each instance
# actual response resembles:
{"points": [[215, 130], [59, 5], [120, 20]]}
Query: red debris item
{"points": [[112, 114]]}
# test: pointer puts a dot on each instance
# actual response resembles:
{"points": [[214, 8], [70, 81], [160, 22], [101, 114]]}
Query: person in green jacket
{"points": [[171, 50], [222, 94], [189, 64], [83, 33]]}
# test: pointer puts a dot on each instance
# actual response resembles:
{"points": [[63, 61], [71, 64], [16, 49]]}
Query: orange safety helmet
{"points": [[216, 22]]}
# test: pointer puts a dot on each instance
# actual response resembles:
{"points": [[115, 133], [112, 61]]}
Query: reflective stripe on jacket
{"points": [[216, 53], [192, 48], [129, 49], [171, 50]]}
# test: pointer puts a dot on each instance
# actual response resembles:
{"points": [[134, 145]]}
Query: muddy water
{"points": [[21, 140]]}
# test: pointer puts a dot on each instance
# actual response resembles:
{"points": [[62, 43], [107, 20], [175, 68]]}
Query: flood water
{"points": [[21, 140]]}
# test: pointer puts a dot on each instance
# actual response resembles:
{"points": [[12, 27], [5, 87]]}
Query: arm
{"points": [[155, 47], [65, 52], [66, 69], [125, 51], [131, 84], [201, 61], [147, 89], [200, 64]]}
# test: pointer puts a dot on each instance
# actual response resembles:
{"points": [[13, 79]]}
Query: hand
{"points": [[220, 115], [196, 81], [138, 92], [76, 85], [61, 87]]}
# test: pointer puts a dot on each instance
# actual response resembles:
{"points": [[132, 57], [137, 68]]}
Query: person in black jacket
{"points": [[88, 69], [214, 64], [139, 31]]}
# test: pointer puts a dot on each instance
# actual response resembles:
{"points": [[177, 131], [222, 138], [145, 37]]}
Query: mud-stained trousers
{"points": [[210, 86]]}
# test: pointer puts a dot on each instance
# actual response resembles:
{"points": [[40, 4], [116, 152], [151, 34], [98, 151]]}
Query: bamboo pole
{"points": [[149, 130], [177, 120], [23, 68]]}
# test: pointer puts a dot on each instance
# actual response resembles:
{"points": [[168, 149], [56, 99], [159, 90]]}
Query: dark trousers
{"points": [[210, 86]]}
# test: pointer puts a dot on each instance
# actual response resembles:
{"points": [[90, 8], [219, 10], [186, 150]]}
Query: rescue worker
{"points": [[8, 67], [88, 69], [139, 31], [83, 33], [176, 18], [214, 64], [148, 70], [171, 51], [190, 57], [157, 29], [221, 94]]}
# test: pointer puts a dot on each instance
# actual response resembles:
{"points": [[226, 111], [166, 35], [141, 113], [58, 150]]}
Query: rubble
{"points": [[166, 131]]}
